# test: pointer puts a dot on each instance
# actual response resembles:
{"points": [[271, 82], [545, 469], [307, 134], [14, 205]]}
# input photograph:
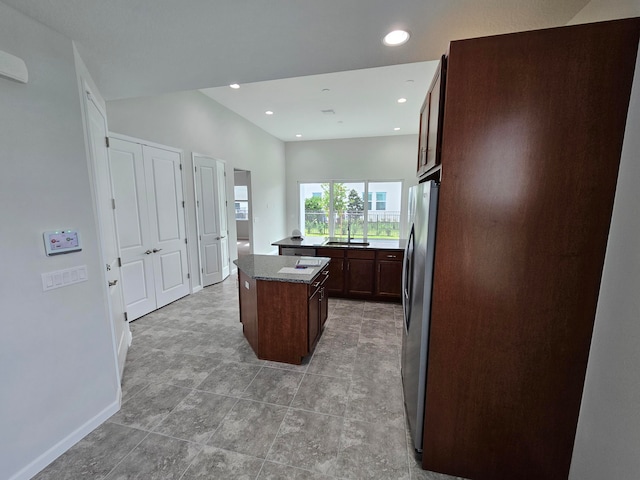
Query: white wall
{"points": [[374, 158], [607, 441], [195, 123], [58, 373], [600, 10]]}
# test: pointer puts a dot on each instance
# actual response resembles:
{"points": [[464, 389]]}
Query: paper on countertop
{"points": [[308, 262], [304, 271]]}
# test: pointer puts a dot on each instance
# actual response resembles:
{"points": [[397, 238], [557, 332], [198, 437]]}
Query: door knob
{"points": [[113, 283], [156, 250], [148, 252]]}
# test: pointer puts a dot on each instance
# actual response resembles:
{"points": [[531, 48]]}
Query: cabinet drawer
{"points": [[390, 255], [330, 252], [324, 275], [364, 254], [318, 282]]}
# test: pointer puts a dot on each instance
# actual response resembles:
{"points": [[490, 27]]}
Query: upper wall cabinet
{"points": [[431, 115]]}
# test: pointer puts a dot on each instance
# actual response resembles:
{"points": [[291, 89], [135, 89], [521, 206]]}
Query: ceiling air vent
{"points": [[329, 111]]}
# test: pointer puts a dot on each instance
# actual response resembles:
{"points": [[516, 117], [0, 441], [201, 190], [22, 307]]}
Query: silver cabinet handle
{"points": [[148, 252], [156, 250], [113, 283]]}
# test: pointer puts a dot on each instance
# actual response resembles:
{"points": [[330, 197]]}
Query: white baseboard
{"points": [[66, 443], [196, 289]]}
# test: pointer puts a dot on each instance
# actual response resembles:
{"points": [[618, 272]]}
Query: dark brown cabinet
{"points": [[283, 321], [364, 273], [389, 274], [318, 308], [431, 113], [360, 272], [335, 284], [531, 141]]}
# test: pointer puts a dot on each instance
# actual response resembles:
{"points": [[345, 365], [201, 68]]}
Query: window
{"points": [[315, 221], [339, 209], [241, 203]]}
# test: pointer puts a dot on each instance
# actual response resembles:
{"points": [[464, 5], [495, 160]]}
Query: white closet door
{"points": [[132, 223], [167, 226], [212, 230]]}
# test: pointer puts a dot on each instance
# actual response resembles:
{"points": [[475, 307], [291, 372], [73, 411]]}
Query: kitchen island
{"points": [[282, 308], [369, 269]]}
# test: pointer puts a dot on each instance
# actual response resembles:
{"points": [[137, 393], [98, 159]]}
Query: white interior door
{"points": [[221, 179], [213, 237], [167, 225], [97, 139], [132, 222]]}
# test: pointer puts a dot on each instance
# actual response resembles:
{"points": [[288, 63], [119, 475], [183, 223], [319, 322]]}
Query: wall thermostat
{"points": [[62, 241]]}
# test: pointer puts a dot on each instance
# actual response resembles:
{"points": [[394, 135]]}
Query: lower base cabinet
{"points": [[283, 321], [364, 273], [361, 266], [318, 308], [389, 274]]}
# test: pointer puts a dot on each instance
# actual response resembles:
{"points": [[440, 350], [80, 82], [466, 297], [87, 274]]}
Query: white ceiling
{"points": [[356, 103], [148, 47]]}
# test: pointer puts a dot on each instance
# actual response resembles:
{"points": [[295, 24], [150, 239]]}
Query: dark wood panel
{"points": [[282, 310], [533, 130], [360, 276], [389, 279], [335, 284], [324, 307], [365, 254], [249, 309], [314, 318]]}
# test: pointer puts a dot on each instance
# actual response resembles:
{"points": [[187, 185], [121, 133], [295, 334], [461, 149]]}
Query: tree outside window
{"points": [[337, 208]]}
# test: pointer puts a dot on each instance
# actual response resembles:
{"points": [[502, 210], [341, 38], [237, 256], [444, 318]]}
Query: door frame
{"points": [[250, 207], [185, 197], [198, 227], [87, 92]]}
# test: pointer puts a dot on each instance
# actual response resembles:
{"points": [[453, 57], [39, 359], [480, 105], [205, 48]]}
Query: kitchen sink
{"points": [[344, 243]]}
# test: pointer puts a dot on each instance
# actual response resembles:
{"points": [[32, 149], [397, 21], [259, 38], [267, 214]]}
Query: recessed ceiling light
{"points": [[402, 100], [326, 90], [234, 85], [298, 135], [268, 112], [397, 128], [395, 38]]}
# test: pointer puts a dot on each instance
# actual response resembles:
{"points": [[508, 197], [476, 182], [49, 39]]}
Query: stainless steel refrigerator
{"points": [[417, 280]]}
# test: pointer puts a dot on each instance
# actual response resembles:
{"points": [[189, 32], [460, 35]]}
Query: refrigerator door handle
{"points": [[407, 277]]}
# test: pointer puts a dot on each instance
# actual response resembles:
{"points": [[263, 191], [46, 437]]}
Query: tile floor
{"points": [[198, 404]]}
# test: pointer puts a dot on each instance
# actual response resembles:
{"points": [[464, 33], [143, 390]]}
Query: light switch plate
{"points": [[63, 278]]}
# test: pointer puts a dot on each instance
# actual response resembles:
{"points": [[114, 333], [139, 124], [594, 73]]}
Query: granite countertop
{"points": [[267, 267], [374, 243]]}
